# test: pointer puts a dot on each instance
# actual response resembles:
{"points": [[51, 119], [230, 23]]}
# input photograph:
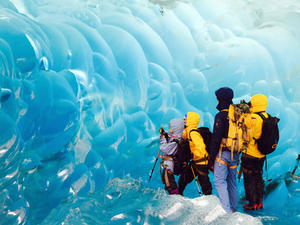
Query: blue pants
{"points": [[225, 181]]}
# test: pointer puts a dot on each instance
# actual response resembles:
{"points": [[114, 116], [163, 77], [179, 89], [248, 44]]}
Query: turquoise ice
{"points": [[86, 84]]}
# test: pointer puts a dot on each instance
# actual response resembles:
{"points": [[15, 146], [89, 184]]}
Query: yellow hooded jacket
{"points": [[254, 122], [197, 146]]}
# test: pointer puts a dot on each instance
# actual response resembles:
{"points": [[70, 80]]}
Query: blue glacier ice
{"points": [[86, 84]]}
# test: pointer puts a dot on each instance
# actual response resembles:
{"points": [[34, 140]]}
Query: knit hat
{"points": [[224, 94]]}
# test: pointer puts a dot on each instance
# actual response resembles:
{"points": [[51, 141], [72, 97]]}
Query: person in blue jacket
{"points": [[225, 166]]}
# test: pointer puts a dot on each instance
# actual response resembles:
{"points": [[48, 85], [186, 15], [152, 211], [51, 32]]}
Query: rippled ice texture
{"points": [[85, 85]]}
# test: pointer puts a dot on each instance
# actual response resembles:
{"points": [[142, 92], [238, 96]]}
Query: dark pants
{"points": [[201, 171], [253, 181], [168, 180]]}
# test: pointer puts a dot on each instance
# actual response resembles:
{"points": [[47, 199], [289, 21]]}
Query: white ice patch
{"points": [[81, 76], [3, 151], [80, 183], [20, 6], [170, 212], [200, 202], [109, 196], [118, 217], [214, 214], [64, 174], [11, 175]]}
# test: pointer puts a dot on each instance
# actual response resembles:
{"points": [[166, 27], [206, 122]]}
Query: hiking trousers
{"points": [[187, 176], [253, 180], [168, 180], [225, 180]]}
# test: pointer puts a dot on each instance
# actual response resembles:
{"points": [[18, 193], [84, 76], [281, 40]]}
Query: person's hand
{"points": [[163, 133], [211, 162]]}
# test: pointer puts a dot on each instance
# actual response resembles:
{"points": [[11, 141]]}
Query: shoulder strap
{"points": [[225, 110], [261, 115]]}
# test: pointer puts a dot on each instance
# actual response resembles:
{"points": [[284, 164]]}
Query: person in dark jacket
{"points": [[225, 166]]}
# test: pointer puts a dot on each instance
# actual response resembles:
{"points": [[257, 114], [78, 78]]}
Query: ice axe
{"points": [[196, 180]]}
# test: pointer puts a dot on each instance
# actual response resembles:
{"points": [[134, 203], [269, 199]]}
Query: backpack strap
{"points": [[193, 165], [225, 163], [201, 160], [261, 115], [263, 118]]}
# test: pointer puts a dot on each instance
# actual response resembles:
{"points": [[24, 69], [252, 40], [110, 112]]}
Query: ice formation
{"points": [[85, 85]]}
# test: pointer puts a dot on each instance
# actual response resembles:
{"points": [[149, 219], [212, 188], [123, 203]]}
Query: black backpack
{"points": [[206, 135], [182, 156], [269, 138]]}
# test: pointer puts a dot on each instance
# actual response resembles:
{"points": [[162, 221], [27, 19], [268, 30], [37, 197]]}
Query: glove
{"points": [[163, 133]]}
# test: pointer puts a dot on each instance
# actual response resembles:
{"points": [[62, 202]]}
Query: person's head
{"points": [[192, 119], [176, 127], [224, 96], [259, 103]]}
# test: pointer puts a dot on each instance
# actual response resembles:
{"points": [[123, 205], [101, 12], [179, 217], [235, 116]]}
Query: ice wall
{"points": [[85, 85]]}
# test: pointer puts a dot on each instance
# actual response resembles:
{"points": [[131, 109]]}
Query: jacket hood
{"points": [[259, 103], [223, 105], [225, 96], [176, 127], [192, 120]]}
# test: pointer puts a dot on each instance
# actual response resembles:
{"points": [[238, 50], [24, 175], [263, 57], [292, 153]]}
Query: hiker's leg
{"points": [[220, 175], [260, 182], [173, 186], [204, 180], [231, 184], [248, 165], [185, 178], [165, 179]]}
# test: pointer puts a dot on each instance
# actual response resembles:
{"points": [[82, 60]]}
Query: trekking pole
{"points": [[296, 167], [162, 132], [154, 165], [196, 180]]}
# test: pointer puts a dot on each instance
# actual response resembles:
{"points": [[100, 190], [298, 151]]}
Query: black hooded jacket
{"points": [[221, 125]]}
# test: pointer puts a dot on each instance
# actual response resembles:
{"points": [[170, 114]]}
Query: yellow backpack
{"points": [[238, 133]]}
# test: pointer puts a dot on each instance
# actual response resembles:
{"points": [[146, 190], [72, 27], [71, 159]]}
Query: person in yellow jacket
{"points": [[252, 159], [199, 164]]}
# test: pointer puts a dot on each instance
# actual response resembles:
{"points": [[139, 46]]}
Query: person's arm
{"points": [[199, 146], [218, 133], [168, 148]]}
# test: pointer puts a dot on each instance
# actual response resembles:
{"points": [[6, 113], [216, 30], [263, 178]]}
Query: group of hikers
{"points": [[241, 133]]}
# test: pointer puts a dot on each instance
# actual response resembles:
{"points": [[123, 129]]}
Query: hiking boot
{"points": [[250, 206], [260, 206], [174, 192]]}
